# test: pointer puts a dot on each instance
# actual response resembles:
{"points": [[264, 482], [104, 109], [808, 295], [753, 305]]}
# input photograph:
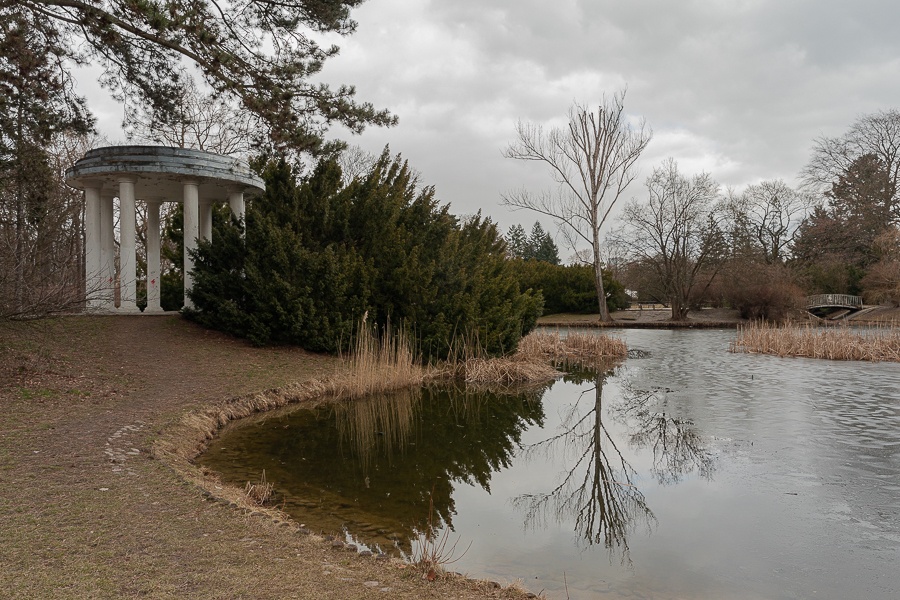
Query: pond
{"points": [[687, 472]]}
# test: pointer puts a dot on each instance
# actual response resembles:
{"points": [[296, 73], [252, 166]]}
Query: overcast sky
{"points": [[738, 88]]}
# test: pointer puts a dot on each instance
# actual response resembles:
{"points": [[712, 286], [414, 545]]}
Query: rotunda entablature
{"points": [[160, 172]]}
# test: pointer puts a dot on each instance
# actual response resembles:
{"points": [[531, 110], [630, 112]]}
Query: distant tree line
{"points": [[565, 288], [689, 244]]}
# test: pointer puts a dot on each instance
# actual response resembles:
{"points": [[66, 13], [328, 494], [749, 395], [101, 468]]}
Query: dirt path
{"points": [[85, 512]]}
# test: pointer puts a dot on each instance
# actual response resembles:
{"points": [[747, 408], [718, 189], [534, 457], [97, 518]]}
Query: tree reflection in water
{"points": [[599, 491], [677, 447]]}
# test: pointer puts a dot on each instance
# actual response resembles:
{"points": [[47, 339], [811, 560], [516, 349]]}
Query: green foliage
{"points": [[144, 46], [317, 255], [569, 289], [835, 246], [538, 246]]}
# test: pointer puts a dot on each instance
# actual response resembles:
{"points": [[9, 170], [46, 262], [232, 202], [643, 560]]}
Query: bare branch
{"points": [[592, 160]]}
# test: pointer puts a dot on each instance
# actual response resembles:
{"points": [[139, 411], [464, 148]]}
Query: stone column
{"points": [[127, 255], [236, 202], [191, 232], [107, 253], [93, 278], [206, 220], [153, 267]]}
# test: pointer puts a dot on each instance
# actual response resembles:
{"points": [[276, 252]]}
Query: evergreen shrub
{"points": [[317, 255]]}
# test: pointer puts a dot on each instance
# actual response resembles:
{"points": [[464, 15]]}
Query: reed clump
{"points": [[874, 344], [574, 348], [536, 356], [380, 363], [504, 370], [259, 493]]}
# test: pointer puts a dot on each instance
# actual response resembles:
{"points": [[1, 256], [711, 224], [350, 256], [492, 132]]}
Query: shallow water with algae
{"points": [[684, 472]]}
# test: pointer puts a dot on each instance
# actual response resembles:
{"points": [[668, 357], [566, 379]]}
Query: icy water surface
{"points": [[689, 473]]}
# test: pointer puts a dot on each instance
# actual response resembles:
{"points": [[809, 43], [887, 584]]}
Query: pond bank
{"points": [[87, 510], [712, 318], [708, 318]]}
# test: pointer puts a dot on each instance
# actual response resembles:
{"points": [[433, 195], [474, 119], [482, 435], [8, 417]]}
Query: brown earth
{"points": [[87, 512], [707, 318], [655, 317]]}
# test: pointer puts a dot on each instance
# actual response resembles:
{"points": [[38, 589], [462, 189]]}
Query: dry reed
{"points": [[380, 363], [432, 554], [259, 493], [537, 353], [384, 421], [575, 348], [840, 343]]}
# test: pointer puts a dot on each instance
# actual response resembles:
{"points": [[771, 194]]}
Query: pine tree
{"points": [[36, 108], [261, 54], [541, 245], [517, 242]]}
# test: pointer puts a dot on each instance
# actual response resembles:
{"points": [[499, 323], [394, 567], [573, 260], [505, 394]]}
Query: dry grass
{"points": [[380, 363], [432, 554], [81, 525], [575, 348], [535, 359], [261, 492], [842, 343], [503, 371]]}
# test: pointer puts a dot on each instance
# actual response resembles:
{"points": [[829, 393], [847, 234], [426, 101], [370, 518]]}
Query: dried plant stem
{"points": [[841, 343], [537, 354], [432, 554], [259, 493]]}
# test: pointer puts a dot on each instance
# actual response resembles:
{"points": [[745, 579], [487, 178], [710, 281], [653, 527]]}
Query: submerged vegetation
{"points": [[842, 343]]}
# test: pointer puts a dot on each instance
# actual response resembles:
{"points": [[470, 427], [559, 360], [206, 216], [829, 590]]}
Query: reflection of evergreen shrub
{"points": [[568, 289], [317, 255]]}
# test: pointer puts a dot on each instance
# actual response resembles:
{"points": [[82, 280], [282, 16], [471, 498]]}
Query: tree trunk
{"points": [[601, 293], [598, 278], [679, 310]]}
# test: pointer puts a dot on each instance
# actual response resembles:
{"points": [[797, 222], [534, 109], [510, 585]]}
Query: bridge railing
{"points": [[841, 300]]}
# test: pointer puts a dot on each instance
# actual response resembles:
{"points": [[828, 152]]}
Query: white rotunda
{"points": [[154, 174]]}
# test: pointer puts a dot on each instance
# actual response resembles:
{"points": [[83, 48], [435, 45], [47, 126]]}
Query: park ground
{"points": [[86, 511], [659, 317]]}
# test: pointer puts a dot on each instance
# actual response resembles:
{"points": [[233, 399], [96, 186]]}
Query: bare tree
{"points": [[41, 248], [355, 162], [675, 234], [599, 492], [877, 133], [769, 214], [201, 121], [677, 447], [592, 161]]}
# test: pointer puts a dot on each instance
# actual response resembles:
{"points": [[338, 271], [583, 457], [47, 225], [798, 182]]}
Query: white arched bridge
{"points": [[834, 301]]}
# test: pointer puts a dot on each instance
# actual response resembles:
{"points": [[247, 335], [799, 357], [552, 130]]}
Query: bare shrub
{"points": [[761, 291], [881, 284]]}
